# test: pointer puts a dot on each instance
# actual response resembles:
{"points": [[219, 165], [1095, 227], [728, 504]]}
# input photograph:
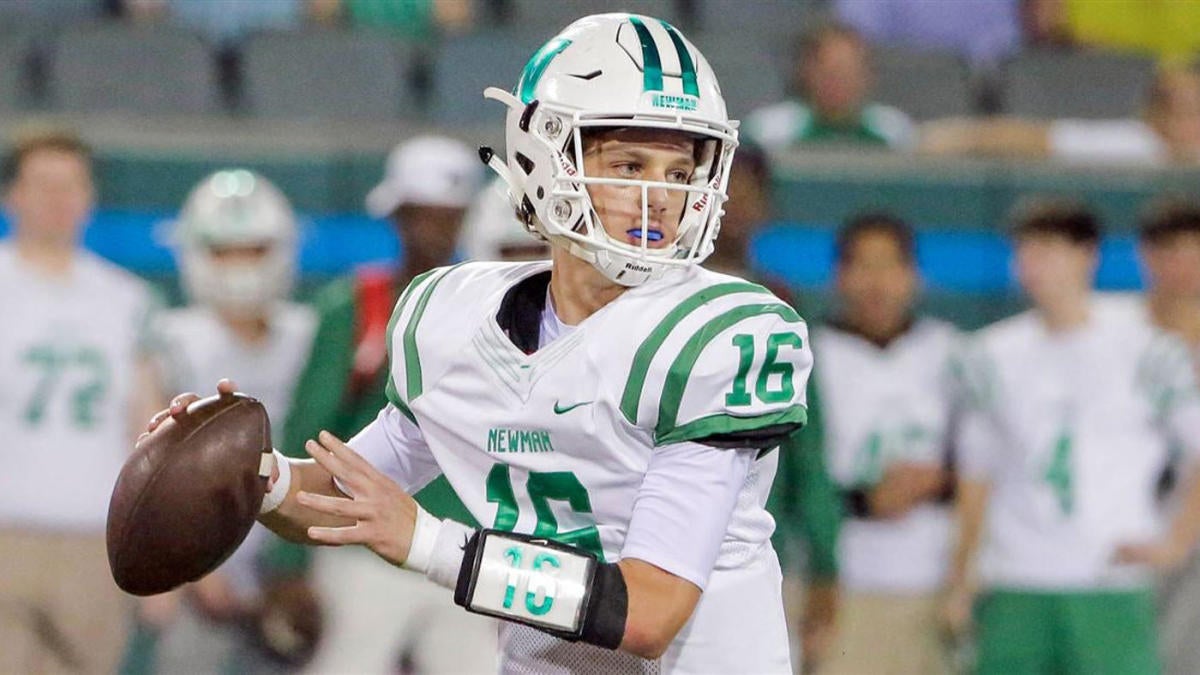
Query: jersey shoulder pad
{"points": [[438, 312], [727, 364]]}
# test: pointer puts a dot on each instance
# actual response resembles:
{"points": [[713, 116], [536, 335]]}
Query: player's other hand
{"points": [[382, 516], [904, 486], [1161, 555], [956, 610]]}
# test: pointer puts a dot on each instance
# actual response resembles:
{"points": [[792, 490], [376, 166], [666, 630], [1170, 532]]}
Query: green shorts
{"points": [[1091, 632]]}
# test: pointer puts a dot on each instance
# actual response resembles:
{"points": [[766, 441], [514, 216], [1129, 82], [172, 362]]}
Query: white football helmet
{"points": [[614, 71], [236, 208]]}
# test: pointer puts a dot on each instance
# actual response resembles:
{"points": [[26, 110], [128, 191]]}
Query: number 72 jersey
{"points": [[556, 443]]}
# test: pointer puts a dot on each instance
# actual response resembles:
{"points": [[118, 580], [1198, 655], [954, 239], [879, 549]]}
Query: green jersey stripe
{"points": [[536, 66], [686, 68], [393, 397], [681, 367], [652, 77], [393, 394], [719, 424], [412, 360], [650, 346]]}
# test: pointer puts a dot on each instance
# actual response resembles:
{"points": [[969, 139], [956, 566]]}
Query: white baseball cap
{"points": [[426, 170]]}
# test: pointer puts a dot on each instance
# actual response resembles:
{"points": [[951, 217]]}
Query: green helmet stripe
{"points": [[536, 66], [652, 79], [686, 67]]}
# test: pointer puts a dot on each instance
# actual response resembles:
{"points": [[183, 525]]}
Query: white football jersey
{"points": [[1072, 430], [200, 350], [68, 349], [880, 406], [558, 442]]}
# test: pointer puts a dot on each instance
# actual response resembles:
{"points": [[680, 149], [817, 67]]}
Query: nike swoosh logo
{"points": [[560, 409]]}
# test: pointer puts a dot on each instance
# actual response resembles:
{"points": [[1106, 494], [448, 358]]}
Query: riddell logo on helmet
{"points": [[673, 102], [634, 267], [703, 201], [566, 166]]}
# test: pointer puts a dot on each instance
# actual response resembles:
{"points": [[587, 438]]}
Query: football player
{"points": [[1072, 409], [76, 356], [886, 408], [236, 245], [1169, 248], [609, 416]]}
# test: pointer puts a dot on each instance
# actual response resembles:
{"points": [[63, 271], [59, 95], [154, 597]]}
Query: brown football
{"points": [[188, 495]]}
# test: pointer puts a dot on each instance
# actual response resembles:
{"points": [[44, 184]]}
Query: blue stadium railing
{"points": [[951, 261]]}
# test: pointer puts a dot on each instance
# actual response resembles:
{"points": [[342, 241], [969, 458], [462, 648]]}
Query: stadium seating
{"points": [[464, 65], [750, 78], [327, 74], [924, 84], [756, 21], [1051, 84], [15, 51], [140, 70], [547, 18]]}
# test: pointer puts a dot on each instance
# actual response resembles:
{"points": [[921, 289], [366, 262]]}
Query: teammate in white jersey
{"points": [[236, 244], [886, 407], [610, 414], [1169, 248], [74, 359], [1073, 407]]}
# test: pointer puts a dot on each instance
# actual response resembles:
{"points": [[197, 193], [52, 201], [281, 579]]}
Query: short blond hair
{"points": [[39, 139]]}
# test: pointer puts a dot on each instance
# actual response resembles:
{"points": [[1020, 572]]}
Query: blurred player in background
{"points": [[1072, 409], [237, 245], [886, 408], [834, 76], [381, 618], [76, 362], [491, 230], [1169, 248], [803, 500]]}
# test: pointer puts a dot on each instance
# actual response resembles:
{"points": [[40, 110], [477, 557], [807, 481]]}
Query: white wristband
{"points": [[279, 491], [447, 556], [425, 534]]}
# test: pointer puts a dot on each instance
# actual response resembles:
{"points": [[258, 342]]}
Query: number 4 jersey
{"points": [[557, 441], [67, 352], [1072, 431]]}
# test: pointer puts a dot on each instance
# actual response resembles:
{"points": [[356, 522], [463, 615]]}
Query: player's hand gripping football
{"points": [[383, 515], [380, 515]]}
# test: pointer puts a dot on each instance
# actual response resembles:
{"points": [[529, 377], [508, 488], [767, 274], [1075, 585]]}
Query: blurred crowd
{"points": [[1018, 499], [1084, 81]]}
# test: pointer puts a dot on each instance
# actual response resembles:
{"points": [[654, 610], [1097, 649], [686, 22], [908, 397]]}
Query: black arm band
{"points": [[555, 588], [857, 502]]}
